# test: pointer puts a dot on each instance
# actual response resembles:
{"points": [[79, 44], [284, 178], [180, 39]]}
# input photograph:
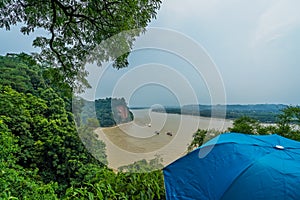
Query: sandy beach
{"points": [[139, 139]]}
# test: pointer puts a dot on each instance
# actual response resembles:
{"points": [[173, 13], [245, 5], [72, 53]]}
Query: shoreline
{"points": [[116, 126], [260, 118]]}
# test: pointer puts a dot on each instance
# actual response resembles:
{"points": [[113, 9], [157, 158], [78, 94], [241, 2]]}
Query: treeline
{"points": [[287, 125], [43, 155], [265, 113]]}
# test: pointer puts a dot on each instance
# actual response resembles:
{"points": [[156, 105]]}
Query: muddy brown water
{"points": [[146, 137]]}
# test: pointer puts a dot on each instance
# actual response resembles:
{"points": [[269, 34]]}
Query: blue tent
{"points": [[237, 166]]}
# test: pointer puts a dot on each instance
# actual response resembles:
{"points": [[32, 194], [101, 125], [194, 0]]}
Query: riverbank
{"points": [[116, 126]]}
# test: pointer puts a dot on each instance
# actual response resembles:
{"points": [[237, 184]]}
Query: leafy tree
{"points": [[287, 125], [15, 181], [245, 125], [92, 122], [48, 140], [198, 139], [77, 27], [289, 122], [201, 136], [23, 75], [9, 145], [249, 125]]}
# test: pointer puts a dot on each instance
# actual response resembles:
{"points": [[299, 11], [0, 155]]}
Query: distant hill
{"points": [[266, 113]]}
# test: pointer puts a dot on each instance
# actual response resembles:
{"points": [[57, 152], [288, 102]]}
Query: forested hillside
{"points": [[105, 112], [42, 155]]}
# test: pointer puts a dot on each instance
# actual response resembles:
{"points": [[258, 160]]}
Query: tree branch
{"points": [[53, 37]]}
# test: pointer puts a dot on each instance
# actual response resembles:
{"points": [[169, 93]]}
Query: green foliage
{"points": [[289, 121], [92, 143], [15, 181], [143, 166], [44, 157], [8, 144], [249, 125], [92, 122], [24, 75], [200, 137], [18, 74], [287, 124], [245, 125], [105, 184], [48, 140], [76, 28]]}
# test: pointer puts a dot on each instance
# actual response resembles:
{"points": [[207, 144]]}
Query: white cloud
{"points": [[277, 21]]}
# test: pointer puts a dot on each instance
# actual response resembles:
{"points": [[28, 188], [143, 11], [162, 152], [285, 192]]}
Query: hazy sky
{"points": [[254, 44]]}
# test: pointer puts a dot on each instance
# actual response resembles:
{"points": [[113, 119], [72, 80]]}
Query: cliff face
{"points": [[112, 111], [120, 114]]}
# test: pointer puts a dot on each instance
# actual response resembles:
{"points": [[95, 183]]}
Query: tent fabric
{"points": [[238, 166]]}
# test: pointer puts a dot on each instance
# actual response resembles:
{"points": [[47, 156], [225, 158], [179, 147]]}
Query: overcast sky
{"points": [[254, 44]]}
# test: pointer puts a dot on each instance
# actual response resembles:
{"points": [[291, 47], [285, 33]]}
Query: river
{"points": [[146, 136]]}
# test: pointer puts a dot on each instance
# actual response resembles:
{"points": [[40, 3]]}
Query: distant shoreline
{"points": [[264, 113]]}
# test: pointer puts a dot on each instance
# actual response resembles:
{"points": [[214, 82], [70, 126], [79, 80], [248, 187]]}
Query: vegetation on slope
{"points": [[42, 155]]}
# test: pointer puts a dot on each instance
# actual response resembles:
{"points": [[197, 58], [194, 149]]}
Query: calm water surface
{"points": [[138, 140]]}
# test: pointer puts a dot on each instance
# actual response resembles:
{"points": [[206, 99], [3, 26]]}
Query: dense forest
{"points": [[42, 154], [265, 113]]}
